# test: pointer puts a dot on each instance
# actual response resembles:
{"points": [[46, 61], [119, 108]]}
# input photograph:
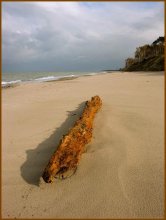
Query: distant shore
{"points": [[122, 173]]}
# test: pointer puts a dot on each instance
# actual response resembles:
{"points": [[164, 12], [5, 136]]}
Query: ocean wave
{"points": [[6, 84], [53, 78], [10, 83], [91, 74], [46, 78]]}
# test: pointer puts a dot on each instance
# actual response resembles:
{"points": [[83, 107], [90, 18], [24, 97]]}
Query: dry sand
{"points": [[120, 175]]}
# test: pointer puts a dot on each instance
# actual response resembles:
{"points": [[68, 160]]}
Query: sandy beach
{"points": [[122, 173]]}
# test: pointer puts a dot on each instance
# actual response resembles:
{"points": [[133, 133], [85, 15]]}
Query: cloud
{"points": [[80, 36]]}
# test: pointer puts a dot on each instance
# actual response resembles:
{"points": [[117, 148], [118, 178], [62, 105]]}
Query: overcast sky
{"points": [[76, 36]]}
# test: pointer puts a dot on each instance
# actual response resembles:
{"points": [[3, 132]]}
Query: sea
{"points": [[14, 79]]}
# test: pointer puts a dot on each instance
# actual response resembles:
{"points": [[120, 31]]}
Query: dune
{"points": [[121, 175]]}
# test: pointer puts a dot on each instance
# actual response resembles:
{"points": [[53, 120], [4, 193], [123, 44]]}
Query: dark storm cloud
{"points": [[61, 36]]}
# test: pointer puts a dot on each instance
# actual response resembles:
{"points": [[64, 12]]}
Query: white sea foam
{"points": [[53, 78], [47, 78], [91, 74], [10, 83]]}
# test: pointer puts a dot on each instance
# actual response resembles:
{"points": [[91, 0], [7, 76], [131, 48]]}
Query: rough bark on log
{"points": [[67, 156]]}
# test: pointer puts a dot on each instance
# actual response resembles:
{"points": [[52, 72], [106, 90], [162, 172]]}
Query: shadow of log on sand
{"points": [[37, 159]]}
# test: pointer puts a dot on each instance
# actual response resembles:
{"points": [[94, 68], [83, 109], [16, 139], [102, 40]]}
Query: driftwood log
{"points": [[65, 159]]}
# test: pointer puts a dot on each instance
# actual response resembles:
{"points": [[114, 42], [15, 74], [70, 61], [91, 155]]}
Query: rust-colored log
{"points": [[65, 159]]}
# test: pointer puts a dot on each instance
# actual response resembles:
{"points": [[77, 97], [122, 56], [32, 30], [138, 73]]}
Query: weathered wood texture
{"points": [[67, 156]]}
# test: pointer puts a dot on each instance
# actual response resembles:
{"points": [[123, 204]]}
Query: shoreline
{"points": [[123, 167], [12, 84], [47, 78]]}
